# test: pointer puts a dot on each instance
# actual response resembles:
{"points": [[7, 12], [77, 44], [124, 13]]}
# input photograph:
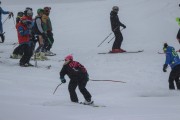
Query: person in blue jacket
{"points": [[1, 24], [172, 59]]}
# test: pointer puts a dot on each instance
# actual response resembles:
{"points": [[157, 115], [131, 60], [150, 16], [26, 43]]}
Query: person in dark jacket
{"points": [[172, 59], [115, 25], [48, 29], [38, 31], [78, 77]]}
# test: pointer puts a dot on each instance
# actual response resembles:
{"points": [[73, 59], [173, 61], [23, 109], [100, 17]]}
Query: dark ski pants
{"points": [[118, 39], [49, 41], [174, 76], [82, 87], [2, 37], [27, 54], [18, 50]]}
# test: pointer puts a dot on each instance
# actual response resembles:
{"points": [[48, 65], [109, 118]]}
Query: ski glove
{"points": [[165, 67], [63, 80], [124, 26]]}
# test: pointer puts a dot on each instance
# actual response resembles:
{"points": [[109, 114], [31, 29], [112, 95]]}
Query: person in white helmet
{"points": [[115, 25]]}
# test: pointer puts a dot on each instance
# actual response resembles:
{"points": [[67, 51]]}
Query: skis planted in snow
{"points": [[138, 51]]}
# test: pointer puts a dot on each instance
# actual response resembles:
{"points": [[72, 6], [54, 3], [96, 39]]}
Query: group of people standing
{"points": [[30, 31]]}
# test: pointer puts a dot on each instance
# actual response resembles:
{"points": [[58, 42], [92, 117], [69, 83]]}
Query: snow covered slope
{"points": [[27, 93]]}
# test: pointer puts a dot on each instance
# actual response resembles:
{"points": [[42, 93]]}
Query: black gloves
{"points": [[11, 15], [165, 67], [63, 80], [124, 26]]}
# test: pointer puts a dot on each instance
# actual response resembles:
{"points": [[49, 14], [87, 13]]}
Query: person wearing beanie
{"points": [[78, 77], [172, 59]]}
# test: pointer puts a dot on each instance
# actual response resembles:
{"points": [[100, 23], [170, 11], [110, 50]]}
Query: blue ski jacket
{"points": [[2, 12], [172, 57]]}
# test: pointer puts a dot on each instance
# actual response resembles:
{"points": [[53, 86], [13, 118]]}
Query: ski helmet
{"points": [[47, 10], [28, 8], [69, 57], [20, 14], [29, 13], [115, 8], [40, 10]]}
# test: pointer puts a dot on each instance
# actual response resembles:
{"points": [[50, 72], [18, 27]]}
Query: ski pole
{"points": [[111, 39], [35, 60], [56, 88], [108, 80], [104, 39], [14, 20], [114, 36], [5, 20]]}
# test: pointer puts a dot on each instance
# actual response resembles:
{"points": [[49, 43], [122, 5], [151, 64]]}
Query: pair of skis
{"points": [[92, 104], [138, 51]]}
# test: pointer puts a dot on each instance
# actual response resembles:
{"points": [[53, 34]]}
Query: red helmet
{"points": [[69, 57]]}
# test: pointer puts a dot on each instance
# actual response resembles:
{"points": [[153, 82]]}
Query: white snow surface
{"points": [[78, 27]]}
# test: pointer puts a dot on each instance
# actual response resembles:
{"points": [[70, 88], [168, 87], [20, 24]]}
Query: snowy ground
{"points": [[27, 93]]}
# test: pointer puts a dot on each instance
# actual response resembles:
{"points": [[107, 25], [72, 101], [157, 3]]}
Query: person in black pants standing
{"points": [[172, 59], [78, 77], [115, 25]]}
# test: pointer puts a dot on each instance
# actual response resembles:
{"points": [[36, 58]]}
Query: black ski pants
{"points": [[27, 53], [49, 41], [174, 76], [82, 87], [18, 50], [118, 39]]}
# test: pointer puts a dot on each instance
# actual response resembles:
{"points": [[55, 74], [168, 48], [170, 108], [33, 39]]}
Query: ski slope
{"points": [[78, 27]]}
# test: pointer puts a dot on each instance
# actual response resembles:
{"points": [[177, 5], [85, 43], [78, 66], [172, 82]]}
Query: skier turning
{"points": [[115, 25], [173, 60], [78, 77]]}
